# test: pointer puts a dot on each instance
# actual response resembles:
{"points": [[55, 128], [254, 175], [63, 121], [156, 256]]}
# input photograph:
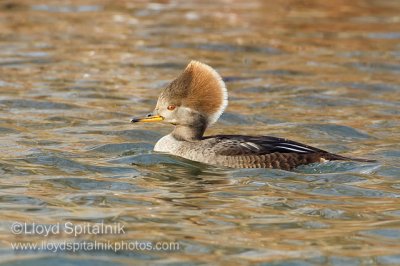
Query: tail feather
{"points": [[335, 157]]}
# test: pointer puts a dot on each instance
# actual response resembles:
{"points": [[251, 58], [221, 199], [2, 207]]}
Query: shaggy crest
{"points": [[200, 88]]}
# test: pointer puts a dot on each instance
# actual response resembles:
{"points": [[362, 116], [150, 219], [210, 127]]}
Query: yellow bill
{"points": [[150, 118]]}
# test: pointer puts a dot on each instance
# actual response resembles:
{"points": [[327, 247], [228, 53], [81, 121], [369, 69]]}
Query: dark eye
{"points": [[171, 107]]}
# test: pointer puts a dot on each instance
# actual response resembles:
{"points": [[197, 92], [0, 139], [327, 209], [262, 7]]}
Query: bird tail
{"points": [[335, 157]]}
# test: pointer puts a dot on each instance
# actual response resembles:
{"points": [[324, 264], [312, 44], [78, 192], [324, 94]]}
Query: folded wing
{"points": [[232, 145]]}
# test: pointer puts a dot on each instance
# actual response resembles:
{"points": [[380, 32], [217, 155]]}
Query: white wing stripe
{"points": [[250, 146], [297, 146], [253, 145], [291, 149]]}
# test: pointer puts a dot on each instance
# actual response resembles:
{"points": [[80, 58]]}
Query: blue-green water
{"points": [[73, 74]]}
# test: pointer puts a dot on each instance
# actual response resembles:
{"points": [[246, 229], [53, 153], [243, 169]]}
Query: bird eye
{"points": [[171, 107]]}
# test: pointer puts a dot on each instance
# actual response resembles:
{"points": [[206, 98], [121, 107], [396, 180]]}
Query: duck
{"points": [[194, 101]]}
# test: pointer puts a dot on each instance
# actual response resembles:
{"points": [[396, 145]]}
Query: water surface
{"points": [[327, 74]]}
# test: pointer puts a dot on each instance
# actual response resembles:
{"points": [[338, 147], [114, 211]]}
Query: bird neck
{"points": [[189, 133]]}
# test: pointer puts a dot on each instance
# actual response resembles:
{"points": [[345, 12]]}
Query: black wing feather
{"points": [[243, 145]]}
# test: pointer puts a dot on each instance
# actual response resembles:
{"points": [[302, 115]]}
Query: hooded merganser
{"points": [[194, 101]]}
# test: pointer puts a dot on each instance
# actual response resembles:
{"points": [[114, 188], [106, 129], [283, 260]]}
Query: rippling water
{"points": [[324, 73]]}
